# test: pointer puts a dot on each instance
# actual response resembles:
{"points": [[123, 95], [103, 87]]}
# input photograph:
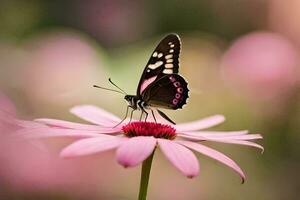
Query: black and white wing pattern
{"points": [[163, 61], [160, 84]]}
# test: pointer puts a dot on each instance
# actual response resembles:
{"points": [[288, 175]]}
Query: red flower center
{"points": [[156, 130]]}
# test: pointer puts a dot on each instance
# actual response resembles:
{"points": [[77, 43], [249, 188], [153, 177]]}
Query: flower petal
{"points": [[223, 140], [215, 133], [54, 132], [29, 124], [238, 137], [77, 126], [234, 135], [241, 142], [135, 150], [181, 157], [95, 115], [91, 146], [201, 124], [215, 155]]}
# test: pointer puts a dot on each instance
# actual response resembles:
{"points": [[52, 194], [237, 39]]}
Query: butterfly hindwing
{"points": [[169, 91], [163, 61]]}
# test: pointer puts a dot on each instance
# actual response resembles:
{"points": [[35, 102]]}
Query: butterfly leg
{"points": [[143, 110], [131, 115], [123, 118], [141, 107], [153, 116], [141, 115]]}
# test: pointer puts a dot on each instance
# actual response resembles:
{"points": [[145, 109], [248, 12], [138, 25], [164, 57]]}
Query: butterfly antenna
{"points": [[116, 86], [96, 86]]}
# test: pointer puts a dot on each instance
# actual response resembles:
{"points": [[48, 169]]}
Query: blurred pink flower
{"points": [[135, 141], [60, 68], [6, 105], [26, 165], [262, 64], [8, 121], [7, 115]]}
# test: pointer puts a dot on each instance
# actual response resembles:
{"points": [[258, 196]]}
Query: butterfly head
{"points": [[131, 100]]}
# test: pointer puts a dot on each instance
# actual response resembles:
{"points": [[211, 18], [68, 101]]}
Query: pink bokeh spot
{"points": [[52, 58], [262, 64]]}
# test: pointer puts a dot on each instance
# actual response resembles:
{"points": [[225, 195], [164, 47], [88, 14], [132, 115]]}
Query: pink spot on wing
{"points": [[146, 83], [177, 96], [175, 101], [172, 78], [180, 90], [176, 84]]}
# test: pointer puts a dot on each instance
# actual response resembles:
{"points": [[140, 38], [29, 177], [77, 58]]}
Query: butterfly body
{"points": [[160, 85], [135, 102]]}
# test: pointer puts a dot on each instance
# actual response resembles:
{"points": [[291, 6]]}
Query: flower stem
{"points": [[145, 174]]}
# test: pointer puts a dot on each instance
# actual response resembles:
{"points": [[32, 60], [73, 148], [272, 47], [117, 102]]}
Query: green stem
{"points": [[145, 174]]}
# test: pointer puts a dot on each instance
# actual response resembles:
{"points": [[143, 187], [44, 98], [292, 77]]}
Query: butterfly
{"points": [[160, 85]]}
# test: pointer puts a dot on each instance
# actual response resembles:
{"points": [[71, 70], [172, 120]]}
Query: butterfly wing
{"points": [[163, 61], [169, 91]]}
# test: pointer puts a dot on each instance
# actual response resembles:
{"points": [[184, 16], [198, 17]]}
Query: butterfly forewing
{"points": [[163, 61]]}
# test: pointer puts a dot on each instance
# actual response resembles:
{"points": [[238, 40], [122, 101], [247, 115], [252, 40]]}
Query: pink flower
{"points": [[8, 120], [52, 58], [135, 141], [261, 64], [20, 158]]}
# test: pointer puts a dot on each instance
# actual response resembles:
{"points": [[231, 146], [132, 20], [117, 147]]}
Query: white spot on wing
{"points": [[171, 50], [154, 54], [169, 66], [168, 56], [169, 60], [168, 71], [160, 55], [156, 65], [172, 45]]}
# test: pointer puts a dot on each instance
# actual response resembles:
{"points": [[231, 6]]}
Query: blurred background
{"points": [[240, 57]]}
